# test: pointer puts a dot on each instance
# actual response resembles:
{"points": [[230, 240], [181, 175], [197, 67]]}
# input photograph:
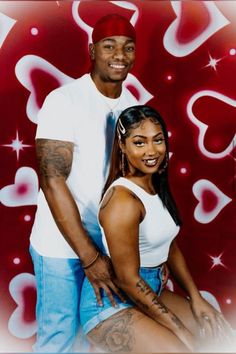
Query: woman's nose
{"points": [[150, 150]]}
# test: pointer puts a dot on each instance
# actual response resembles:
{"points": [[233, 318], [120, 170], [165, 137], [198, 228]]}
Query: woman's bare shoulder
{"points": [[120, 200]]}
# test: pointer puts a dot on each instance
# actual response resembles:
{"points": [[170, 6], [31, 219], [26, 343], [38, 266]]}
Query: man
{"points": [[73, 142]]}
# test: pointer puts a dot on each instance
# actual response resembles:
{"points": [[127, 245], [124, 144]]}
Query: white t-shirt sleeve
{"points": [[55, 118]]}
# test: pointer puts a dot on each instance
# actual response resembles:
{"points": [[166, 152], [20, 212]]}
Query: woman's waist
{"points": [[153, 273]]}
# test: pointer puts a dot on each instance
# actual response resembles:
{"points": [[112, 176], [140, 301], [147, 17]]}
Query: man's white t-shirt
{"points": [[78, 113]]}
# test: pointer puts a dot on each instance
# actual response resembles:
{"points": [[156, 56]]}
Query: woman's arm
{"points": [[209, 319], [180, 272], [120, 216]]}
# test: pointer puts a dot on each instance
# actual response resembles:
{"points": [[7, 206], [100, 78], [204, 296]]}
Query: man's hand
{"points": [[101, 276]]}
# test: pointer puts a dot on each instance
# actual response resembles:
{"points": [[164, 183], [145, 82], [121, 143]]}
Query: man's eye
{"points": [[108, 46], [129, 49]]}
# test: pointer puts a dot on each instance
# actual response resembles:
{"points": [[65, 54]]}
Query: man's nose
{"points": [[119, 53]]}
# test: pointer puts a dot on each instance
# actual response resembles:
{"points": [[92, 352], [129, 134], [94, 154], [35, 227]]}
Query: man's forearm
{"points": [[67, 217]]}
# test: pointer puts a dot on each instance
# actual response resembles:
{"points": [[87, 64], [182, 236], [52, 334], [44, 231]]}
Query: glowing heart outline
{"points": [[199, 214], [203, 127], [217, 22]]}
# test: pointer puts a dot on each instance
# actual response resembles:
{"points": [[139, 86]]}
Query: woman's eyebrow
{"points": [[142, 136]]}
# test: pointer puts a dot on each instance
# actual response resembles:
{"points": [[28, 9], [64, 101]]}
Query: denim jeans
{"points": [[91, 314], [58, 282]]}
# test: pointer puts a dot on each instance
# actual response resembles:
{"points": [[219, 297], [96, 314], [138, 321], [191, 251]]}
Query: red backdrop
{"points": [[185, 67]]}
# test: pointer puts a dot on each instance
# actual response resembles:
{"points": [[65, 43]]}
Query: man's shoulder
{"points": [[72, 88]]}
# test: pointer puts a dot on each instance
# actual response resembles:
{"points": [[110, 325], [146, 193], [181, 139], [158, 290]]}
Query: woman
{"points": [[140, 221]]}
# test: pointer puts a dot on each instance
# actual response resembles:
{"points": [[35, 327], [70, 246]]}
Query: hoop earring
{"points": [[165, 165], [123, 164]]}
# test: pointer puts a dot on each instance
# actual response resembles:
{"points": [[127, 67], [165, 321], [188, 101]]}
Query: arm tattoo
{"points": [[159, 304], [54, 157], [144, 288], [108, 197]]}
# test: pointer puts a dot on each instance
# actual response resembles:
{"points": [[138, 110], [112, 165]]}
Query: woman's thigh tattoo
{"points": [[115, 334]]}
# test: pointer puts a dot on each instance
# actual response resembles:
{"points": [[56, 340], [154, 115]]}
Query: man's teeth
{"points": [[150, 162], [117, 66]]}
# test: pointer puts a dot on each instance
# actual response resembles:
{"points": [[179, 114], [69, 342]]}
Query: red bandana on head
{"points": [[112, 25]]}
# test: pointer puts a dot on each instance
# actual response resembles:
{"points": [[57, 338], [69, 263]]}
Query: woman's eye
{"points": [[138, 143], [159, 141]]}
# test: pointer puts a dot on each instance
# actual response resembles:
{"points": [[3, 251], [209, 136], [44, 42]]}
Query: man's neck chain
{"points": [[108, 101]]}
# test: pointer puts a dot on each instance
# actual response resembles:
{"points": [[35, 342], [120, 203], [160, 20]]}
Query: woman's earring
{"points": [[161, 170], [123, 164]]}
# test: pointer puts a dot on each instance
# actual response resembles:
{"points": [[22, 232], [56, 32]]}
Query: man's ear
{"points": [[92, 51]]}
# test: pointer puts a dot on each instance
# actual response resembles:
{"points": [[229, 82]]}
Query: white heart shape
{"points": [[24, 191], [171, 44], [144, 95], [203, 127], [16, 325], [211, 299], [200, 214], [6, 24], [23, 68]]}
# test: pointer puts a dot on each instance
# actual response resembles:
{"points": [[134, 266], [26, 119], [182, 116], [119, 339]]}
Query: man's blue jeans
{"points": [[58, 282]]}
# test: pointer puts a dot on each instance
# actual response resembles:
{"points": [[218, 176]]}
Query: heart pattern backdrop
{"points": [[186, 68]]}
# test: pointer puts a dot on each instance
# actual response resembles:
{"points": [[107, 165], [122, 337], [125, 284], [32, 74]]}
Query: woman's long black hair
{"points": [[129, 119]]}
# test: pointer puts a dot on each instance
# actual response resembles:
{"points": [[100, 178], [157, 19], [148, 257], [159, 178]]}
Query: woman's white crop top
{"points": [[156, 231]]}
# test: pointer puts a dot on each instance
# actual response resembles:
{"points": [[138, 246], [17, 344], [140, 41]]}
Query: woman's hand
{"points": [[213, 326]]}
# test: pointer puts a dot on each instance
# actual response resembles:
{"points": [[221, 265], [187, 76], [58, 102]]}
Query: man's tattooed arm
{"points": [[55, 161], [54, 158]]}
